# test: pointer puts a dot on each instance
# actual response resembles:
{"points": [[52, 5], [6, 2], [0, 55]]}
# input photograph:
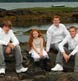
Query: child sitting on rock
{"points": [[36, 43]]}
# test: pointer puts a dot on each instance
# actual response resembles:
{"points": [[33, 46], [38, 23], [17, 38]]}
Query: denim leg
{"points": [[18, 57], [59, 57], [2, 58], [76, 63], [54, 48]]}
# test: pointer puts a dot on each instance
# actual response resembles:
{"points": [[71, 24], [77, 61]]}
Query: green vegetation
{"points": [[50, 9]]}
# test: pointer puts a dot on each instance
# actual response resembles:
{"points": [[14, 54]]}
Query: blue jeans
{"points": [[59, 59], [17, 54]]}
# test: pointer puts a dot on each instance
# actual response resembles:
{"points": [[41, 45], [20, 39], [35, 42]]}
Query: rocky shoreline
{"points": [[26, 17], [37, 16], [35, 73]]}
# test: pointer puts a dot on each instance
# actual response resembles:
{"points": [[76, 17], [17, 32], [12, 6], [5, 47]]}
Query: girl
{"points": [[36, 43]]}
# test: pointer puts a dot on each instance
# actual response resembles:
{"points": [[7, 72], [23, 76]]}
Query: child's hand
{"points": [[47, 50], [66, 57], [11, 45], [8, 50], [70, 56], [41, 54]]}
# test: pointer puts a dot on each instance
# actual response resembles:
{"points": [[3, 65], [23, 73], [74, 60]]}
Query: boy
{"points": [[72, 50], [7, 35], [55, 34]]}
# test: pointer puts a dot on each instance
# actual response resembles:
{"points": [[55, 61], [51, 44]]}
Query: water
{"points": [[10, 6], [24, 38], [20, 31]]}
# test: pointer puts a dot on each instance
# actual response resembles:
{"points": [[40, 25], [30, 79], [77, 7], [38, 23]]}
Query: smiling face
{"points": [[6, 25], [73, 32], [6, 28], [35, 34], [56, 21]]}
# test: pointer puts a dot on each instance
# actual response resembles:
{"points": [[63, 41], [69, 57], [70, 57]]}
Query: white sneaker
{"points": [[21, 70], [58, 67], [2, 70]]}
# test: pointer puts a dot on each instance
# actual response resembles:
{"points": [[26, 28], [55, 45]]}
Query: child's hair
{"points": [[31, 36], [72, 27], [56, 16], [6, 23]]}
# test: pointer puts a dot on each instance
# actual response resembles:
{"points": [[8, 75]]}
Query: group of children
{"points": [[57, 37]]}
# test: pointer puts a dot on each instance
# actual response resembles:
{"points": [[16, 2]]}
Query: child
{"points": [[66, 53], [36, 43]]}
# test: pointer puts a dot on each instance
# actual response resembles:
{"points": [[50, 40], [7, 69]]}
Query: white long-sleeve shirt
{"points": [[55, 34], [5, 38], [72, 44]]}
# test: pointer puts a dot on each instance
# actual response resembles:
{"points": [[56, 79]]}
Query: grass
{"points": [[51, 9]]}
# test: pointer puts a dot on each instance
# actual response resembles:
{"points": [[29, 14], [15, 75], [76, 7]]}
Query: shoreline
{"points": [[32, 16]]}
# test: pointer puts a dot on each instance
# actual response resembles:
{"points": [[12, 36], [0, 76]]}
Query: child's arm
{"points": [[34, 47], [41, 47]]}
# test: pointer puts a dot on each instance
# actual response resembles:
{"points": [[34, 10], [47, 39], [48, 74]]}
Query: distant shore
{"points": [[35, 16]]}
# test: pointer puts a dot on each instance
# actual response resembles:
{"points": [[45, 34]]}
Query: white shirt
{"points": [[55, 34], [72, 44], [5, 38]]}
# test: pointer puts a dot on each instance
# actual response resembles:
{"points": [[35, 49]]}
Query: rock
{"points": [[58, 76], [35, 73], [30, 16]]}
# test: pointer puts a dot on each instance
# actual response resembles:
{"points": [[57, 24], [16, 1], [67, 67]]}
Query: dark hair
{"points": [[71, 27], [6, 23]]}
